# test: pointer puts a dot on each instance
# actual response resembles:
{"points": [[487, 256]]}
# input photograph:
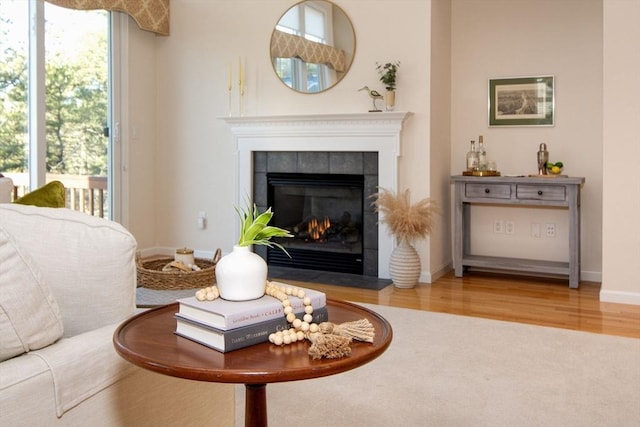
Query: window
{"points": [[311, 21], [54, 101]]}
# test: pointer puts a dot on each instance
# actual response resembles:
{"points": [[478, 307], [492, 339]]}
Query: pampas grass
{"points": [[406, 221]]}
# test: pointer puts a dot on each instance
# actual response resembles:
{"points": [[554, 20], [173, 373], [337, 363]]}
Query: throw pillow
{"points": [[29, 315], [6, 189], [87, 262], [51, 195]]}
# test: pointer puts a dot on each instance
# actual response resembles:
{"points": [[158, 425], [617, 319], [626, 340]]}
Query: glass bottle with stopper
{"points": [[472, 158], [543, 158], [482, 154]]}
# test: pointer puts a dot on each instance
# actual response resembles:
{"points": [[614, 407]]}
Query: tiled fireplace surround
{"points": [[358, 143], [323, 162]]}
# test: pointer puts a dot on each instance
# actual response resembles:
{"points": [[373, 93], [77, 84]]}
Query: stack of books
{"points": [[230, 325]]}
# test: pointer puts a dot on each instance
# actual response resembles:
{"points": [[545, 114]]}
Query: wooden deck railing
{"points": [[84, 193]]}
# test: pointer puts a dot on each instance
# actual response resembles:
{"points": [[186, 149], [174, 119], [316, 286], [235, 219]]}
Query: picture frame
{"points": [[521, 101]]}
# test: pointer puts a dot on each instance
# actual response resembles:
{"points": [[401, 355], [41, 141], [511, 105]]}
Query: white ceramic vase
{"points": [[404, 265], [241, 275]]}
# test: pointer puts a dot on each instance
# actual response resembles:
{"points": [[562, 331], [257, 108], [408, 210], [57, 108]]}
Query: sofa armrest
{"points": [[88, 262], [82, 366]]}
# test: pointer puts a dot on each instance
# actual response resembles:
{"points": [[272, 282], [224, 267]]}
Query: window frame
{"points": [[117, 40]]}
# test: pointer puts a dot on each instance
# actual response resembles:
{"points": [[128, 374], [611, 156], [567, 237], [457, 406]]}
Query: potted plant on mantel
{"points": [[388, 74], [407, 223], [242, 274]]}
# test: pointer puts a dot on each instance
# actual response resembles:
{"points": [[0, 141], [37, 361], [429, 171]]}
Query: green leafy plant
{"points": [[254, 228], [388, 73]]}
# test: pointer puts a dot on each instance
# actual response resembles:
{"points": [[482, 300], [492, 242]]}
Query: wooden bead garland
{"points": [[299, 326], [208, 294], [328, 340]]}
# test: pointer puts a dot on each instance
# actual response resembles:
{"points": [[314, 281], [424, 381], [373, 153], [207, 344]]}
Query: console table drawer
{"points": [[488, 191], [541, 192]]}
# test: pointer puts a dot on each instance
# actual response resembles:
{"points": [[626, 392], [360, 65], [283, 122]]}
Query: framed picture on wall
{"points": [[521, 101]]}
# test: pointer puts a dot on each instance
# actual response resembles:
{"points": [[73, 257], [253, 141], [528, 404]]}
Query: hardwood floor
{"points": [[539, 301]]}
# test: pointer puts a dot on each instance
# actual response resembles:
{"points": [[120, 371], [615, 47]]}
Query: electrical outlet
{"points": [[202, 220], [550, 230], [509, 227], [535, 230], [498, 226]]}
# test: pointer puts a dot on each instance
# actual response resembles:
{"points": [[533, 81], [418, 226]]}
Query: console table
{"points": [[516, 191]]}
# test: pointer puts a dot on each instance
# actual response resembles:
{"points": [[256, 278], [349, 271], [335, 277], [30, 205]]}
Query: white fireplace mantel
{"points": [[355, 132]]}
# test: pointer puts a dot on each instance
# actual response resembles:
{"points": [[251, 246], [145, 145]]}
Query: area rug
{"points": [[450, 370], [146, 297]]}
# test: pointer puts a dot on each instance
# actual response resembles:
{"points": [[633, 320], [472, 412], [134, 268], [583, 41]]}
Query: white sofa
{"points": [[67, 280]]}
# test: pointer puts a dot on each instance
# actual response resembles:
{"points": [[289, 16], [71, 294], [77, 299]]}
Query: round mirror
{"points": [[312, 46]]}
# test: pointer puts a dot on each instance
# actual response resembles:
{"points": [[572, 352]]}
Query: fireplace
{"points": [[324, 213], [299, 137], [325, 194]]}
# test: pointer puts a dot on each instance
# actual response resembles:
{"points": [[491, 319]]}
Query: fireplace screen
{"points": [[324, 213]]}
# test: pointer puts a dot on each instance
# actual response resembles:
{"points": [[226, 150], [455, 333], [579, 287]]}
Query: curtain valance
{"points": [[150, 15], [284, 45]]}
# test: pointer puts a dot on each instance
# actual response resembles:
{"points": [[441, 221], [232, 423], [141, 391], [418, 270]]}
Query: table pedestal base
{"points": [[255, 406], [148, 340]]}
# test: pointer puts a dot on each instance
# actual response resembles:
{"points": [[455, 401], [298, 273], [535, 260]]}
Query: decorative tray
{"points": [[481, 173]]}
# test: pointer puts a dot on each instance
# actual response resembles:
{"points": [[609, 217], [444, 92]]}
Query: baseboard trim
{"points": [[620, 297], [429, 277], [591, 276]]}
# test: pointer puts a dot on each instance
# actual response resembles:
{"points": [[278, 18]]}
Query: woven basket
{"points": [[151, 276]]}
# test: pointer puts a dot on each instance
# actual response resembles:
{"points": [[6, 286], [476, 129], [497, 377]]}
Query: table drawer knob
{"points": [[539, 192], [486, 190]]}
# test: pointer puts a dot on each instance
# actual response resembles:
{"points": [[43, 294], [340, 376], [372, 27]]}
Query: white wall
{"points": [[182, 160], [501, 38], [138, 133], [621, 237], [440, 136], [193, 150]]}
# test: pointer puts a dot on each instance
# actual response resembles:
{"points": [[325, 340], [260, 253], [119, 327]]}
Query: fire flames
{"points": [[317, 229]]}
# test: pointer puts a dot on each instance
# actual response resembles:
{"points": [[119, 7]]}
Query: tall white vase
{"points": [[241, 275], [404, 265]]}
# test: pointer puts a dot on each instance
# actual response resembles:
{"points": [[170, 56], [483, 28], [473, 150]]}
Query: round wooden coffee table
{"points": [[148, 340]]}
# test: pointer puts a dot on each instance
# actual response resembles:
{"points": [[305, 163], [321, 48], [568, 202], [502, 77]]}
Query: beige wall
{"points": [[621, 237], [181, 159], [138, 133], [440, 135], [498, 38], [193, 150]]}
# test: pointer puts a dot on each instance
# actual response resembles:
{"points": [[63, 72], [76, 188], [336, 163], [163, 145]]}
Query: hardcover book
{"points": [[237, 338], [225, 315]]}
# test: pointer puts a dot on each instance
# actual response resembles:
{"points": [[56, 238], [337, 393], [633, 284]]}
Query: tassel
{"points": [[328, 346], [359, 330]]}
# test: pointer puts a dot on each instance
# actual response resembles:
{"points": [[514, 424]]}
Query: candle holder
{"points": [[241, 81]]}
